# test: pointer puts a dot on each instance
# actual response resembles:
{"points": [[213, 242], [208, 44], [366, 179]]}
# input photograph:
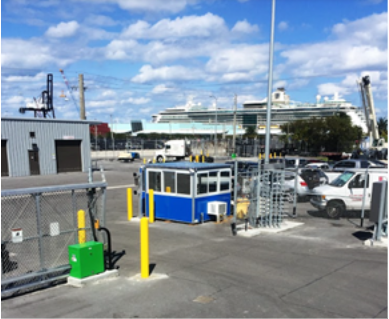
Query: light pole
{"points": [[215, 122]]}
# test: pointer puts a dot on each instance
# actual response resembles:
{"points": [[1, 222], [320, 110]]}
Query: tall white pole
{"points": [[234, 136], [270, 84]]}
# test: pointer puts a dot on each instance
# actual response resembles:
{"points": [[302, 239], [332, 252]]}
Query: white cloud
{"points": [[283, 25], [27, 54], [137, 101], [24, 78], [167, 73], [244, 27], [100, 20], [358, 45], [239, 59], [161, 89], [172, 6], [204, 26], [63, 29]]}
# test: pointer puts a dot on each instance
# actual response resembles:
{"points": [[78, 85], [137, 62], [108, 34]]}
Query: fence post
{"points": [[39, 228]]}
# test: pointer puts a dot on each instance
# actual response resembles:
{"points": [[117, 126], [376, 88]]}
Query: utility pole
{"points": [[82, 98], [113, 141], [234, 136], [270, 84]]}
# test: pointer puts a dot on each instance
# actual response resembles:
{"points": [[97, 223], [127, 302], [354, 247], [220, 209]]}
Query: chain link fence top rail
{"points": [[38, 225]]}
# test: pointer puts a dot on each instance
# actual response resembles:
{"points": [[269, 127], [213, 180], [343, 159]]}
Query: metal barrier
{"points": [[261, 198], [38, 225]]}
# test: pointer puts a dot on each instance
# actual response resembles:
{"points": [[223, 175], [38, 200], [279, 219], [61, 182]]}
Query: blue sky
{"points": [[139, 57]]}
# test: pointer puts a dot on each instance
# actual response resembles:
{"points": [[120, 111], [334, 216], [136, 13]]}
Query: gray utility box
{"points": [[379, 199]]}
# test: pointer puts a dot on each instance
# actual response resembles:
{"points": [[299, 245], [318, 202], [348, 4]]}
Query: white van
{"points": [[346, 191]]}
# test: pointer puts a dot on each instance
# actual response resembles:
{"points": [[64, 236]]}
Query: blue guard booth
{"points": [[187, 192]]}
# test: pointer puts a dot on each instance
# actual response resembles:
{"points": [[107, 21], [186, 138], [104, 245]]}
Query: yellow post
{"points": [[97, 224], [167, 190], [129, 203], [144, 248], [190, 158], [260, 156], [280, 154], [144, 160], [81, 225], [270, 155], [153, 160], [208, 154], [197, 158], [275, 155], [151, 205], [203, 158], [164, 160], [201, 152]]}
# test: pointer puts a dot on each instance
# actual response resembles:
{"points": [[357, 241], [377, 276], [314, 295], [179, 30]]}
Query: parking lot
{"points": [[319, 269]]}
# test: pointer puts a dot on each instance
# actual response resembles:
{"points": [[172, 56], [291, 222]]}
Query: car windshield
{"points": [[342, 179]]}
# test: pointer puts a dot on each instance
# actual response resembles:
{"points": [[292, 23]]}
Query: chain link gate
{"points": [[38, 225]]}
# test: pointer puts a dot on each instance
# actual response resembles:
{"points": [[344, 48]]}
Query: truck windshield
{"points": [[375, 142], [342, 179]]}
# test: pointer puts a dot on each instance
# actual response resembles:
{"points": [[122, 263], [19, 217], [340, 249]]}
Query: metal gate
{"points": [[38, 225]]}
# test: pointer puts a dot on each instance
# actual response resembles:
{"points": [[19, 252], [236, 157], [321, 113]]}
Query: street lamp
{"points": [[215, 123]]}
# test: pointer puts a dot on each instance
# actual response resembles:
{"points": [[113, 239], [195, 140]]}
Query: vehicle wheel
{"points": [[160, 159], [335, 209]]}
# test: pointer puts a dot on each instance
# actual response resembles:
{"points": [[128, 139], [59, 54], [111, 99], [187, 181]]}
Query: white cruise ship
{"points": [[254, 112]]}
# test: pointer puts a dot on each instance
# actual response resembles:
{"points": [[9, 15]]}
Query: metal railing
{"points": [[38, 225]]}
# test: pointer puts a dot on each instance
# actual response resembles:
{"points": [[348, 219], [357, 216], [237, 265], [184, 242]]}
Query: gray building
{"points": [[43, 146]]}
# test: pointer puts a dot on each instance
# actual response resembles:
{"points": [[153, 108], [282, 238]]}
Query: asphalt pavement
{"points": [[319, 269]]}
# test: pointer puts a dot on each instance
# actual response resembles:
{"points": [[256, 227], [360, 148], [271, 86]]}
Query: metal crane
{"points": [[378, 146], [45, 104], [70, 90]]}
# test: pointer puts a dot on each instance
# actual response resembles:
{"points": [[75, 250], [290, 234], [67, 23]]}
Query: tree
{"points": [[250, 131], [334, 133], [383, 127]]}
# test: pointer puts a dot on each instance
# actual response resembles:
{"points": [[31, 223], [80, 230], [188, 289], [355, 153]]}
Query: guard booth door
{"points": [[33, 158]]}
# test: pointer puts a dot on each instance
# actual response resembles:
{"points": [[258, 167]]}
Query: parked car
{"points": [[322, 166], [355, 163], [295, 162], [307, 179]]}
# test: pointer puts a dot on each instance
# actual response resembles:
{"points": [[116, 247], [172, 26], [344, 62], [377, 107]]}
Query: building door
{"points": [[68, 156], [4, 159], [33, 158]]}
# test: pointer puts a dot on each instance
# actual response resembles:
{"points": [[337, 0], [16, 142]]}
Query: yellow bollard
{"points": [[153, 160], [144, 248], [275, 155], [151, 205], [260, 156], [203, 158], [207, 154], [280, 154], [164, 160], [97, 224], [81, 225], [144, 160], [167, 189], [201, 152], [270, 155], [129, 203]]}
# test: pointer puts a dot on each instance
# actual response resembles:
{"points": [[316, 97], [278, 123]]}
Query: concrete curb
{"points": [[80, 283], [153, 277], [251, 232]]}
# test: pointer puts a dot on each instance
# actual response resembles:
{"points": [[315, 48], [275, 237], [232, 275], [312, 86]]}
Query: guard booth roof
{"points": [[188, 165]]}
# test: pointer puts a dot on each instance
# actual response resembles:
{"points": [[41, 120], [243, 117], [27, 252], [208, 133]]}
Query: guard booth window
{"points": [[183, 184], [170, 182], [224, 181], [212, 182], [202, 183], [155, 181]]}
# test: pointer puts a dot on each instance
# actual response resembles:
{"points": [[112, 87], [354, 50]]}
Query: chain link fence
{"points": [[38, 225]]}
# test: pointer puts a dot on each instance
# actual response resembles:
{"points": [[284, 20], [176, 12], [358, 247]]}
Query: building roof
{"points": [[42, 119]]}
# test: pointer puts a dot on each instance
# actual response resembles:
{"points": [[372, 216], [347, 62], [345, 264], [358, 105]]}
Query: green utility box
{"points": [[86, 259]]}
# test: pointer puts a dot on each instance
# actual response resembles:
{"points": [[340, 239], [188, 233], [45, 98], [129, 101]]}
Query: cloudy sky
{"points": [[141, 56]]}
